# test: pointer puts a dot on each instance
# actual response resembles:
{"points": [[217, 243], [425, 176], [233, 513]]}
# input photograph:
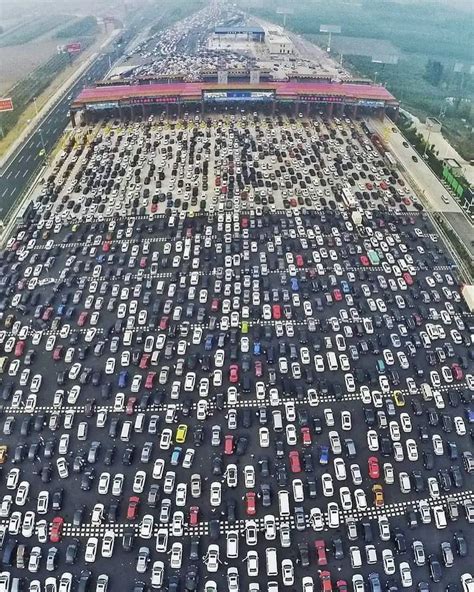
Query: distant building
{"points": [[278, 43], [248, 33]]}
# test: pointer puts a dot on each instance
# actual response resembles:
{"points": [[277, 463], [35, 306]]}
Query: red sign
{"points": [[73, 47], [6, 104]]}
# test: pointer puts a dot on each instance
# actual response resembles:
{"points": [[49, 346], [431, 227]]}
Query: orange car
{"points": [[378, 495]]}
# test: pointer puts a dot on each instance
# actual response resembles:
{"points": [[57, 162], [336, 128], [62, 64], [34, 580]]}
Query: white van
{"points": [[232, 544], [139, 423], [440, 517], [283, 504], [127, 338], [82, 429], [356, 557], [277, 421], [126, 431], [426, 392], [332, 360], [271, 561]]}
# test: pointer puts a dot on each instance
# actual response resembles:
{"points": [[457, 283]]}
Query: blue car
{"points": [[345, 287], [257, 348], [294, 285], [208, 343], [176, 455], [123, 378], [61, 309], [324, 455]]}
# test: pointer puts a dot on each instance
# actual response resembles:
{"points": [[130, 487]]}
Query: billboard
{"points": [[6, 104], [321, 98], [147, 101], [73, 47], [105, 105], [239, 95], [367, 103]]}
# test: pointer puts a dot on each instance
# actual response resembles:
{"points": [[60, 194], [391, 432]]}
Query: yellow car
{"points": [[181, 433], [245, 327], [399, 398], [378, 495], [3, 454]]}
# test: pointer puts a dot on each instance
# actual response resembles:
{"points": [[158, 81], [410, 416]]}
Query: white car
{"points": [[405, 575], [291, 435], [176, 557], [327, 484], [146, 526], [91, 549], [211, 559], [215, 494], [157, 574], [104, 482], [388, 562], [360, 499], [460, 426], [139, 482], [288, 572], [412, 450], [264, 437], [316, 519], [108, 541], [346, 500], [298, 491], [372, 440], [340, 469], [252, 563]]}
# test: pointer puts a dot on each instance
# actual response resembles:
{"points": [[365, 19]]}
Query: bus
{"points": [[348, 198], [373, 257]]}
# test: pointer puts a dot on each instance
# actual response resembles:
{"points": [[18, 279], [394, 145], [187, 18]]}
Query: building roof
{"points": [[193, 91]]}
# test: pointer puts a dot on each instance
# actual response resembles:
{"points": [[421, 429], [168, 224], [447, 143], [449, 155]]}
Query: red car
{"points": [[250, 498], [306, 436], [456, 369], [337, 294], [215, 305], [244, 223], [193, 516], [233, 373], [408, 279], [130, 409], [58, 352], [258, 368], [383, 185], [341, 586], [295, 463], [164, 323], [374, 469], [364, 260], [150, 379], [229, 444], [132, 510], [19, 348], [325, 578], [321, 556], [154, 208], [406, 200], [48, 313], [82, 320], [369, 186], [299, 261], [143, 262], [276, 311], [106, 247], [56, 529], [144, 361]]}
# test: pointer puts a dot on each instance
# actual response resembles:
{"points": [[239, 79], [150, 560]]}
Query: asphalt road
{"points": [[123, 564], [27, 162]]}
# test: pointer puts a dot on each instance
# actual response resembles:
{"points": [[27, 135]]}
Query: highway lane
{"points": [[28, 161]]}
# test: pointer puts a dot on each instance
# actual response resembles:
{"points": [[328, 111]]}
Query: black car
{"points": [[192, 578], [435, 568], [399, 540]]}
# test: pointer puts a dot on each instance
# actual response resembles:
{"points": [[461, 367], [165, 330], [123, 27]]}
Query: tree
{"points": [[434, 72]]}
